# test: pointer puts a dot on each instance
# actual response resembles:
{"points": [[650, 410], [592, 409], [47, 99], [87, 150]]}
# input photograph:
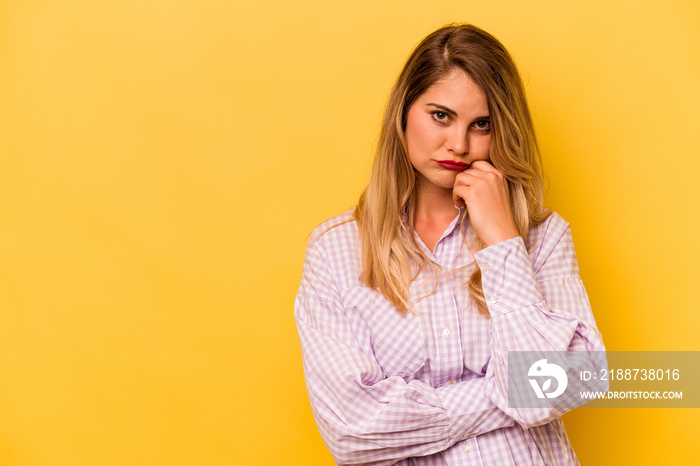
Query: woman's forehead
{"points": [[456, 87]]}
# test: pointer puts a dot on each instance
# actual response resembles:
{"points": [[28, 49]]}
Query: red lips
{"points": [[452, 164]]}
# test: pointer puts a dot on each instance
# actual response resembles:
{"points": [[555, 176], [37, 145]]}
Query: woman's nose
{"points": [[458, 142]]}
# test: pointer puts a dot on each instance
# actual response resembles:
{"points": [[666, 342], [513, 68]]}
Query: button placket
{"points": [[448, 359]]}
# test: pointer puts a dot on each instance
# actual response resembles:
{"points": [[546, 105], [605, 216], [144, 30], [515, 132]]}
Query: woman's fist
{"points": [[484, 190]]}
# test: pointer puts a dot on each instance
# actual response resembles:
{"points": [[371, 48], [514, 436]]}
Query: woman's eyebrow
{"points": [[444, 109], [451, 112]]}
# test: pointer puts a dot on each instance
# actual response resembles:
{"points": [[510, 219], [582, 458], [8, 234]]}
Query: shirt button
{"points": [[485, 268], [465, 448], [449, 382], [465, 436], [493, 299], [446, 332]]}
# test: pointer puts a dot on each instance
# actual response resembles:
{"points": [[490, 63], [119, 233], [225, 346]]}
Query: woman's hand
{"points": [[484, 190]]}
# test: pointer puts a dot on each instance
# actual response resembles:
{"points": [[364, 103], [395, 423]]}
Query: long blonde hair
{"points": [[391, 258]]}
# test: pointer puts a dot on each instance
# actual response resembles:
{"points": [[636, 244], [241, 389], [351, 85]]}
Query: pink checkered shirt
{"points": [[430, 388]]}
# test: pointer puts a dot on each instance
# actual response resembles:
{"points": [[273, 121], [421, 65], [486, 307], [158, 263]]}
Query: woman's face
{"points": [[447, 128]]}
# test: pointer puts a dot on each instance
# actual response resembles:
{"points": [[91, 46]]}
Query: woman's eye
{"points": [[440, 116], [483, 125]]}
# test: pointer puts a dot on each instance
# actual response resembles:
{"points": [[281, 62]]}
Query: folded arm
{"points": [[537, 304], [363, 416]]}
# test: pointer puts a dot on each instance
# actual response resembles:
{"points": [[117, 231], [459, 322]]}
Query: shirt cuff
{"points": [[507, 277]]}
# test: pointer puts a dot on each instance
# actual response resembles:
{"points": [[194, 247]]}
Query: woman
{"points": [[409, 304]]}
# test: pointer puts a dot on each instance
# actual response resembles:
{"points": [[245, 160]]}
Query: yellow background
{"points": [[162, 163]]}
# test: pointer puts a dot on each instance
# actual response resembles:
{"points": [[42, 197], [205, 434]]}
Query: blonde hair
{"points": [[391, 257]]}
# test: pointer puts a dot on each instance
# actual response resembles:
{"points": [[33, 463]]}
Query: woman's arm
{"points": [[363, 417], [536, 303]]}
